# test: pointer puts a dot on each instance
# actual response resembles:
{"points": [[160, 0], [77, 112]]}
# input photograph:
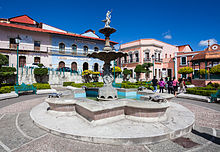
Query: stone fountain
{"points": [[107, 92], [121, 122]]}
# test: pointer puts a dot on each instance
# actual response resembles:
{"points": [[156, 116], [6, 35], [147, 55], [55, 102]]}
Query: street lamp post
{"points": [[17, 41], [153, 63]]}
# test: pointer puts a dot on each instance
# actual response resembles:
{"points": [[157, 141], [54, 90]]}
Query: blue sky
{"points": [[177, 22]]}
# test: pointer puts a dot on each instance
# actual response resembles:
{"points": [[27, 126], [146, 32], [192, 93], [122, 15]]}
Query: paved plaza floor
{"points": [[19, 134]]}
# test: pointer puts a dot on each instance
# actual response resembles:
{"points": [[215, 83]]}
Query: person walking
{"points": [[155, 81], [170, 86], [175, 86], [181, 82], [161, 84], [166, 85]]}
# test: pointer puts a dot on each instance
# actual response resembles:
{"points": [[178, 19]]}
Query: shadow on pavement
{"points": [[209, 137]]}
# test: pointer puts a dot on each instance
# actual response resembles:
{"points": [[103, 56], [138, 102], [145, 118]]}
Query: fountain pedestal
{"points": [[107, 92]]}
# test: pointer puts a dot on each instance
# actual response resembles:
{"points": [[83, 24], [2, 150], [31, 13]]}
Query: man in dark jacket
{"points": [[154, 82]]}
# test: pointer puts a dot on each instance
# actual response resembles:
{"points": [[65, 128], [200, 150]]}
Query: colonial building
{"points": [[42, 43], [205, 59], [159, 53]]}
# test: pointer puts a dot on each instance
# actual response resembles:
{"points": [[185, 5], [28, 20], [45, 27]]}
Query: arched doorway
{"points": [[96, 67], [61, 64], [85, 66], [74, 66]]}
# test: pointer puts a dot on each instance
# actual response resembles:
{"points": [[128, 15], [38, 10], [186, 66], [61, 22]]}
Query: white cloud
{"points": [[205, 42], [168, 36]]}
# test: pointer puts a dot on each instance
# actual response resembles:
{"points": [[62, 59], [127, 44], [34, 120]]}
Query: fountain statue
{"points": [[107, 92]]}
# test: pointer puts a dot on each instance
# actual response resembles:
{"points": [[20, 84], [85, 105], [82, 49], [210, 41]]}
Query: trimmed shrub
{"points": [[41, 86], [185, 70], [6, 89], [7, 69], [67, 83], [204, 91], [215, 69]]}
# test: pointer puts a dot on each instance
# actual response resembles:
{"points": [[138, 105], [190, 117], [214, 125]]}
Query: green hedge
{"points": [[204, 91], [89, 85], [6, 89], [7, 69], [67, 83], [40, 86]]}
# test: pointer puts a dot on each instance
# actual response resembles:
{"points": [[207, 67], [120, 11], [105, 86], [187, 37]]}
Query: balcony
{"points": [[23, 47], [147, 59], [158, 60], [79, 52]]}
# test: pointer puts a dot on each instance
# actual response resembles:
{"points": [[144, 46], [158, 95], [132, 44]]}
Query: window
{"points": [[22, 61], [165, 55], [61, 47], [96, 49], [74, 48], [37, 45], [158, 56], [131, 58], [125, 59], [159, 73], [147, 55], [137, 58], [37, 60], [183, 60], [13, 44], [85, 49], [170, 56]]}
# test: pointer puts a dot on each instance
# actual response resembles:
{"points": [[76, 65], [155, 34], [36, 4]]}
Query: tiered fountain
{"points": [[107, 92], [111, 120]]}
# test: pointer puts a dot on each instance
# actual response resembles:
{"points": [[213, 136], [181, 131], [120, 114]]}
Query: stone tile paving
{"points": [[11, 137], [204, 116], [57, 144]]}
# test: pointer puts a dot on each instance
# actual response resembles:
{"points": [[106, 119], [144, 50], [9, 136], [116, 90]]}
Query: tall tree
{"points": [[147, 66]]}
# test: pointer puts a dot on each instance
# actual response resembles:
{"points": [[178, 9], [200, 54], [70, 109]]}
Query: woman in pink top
{"points": [[162, 85], [175, 87]]}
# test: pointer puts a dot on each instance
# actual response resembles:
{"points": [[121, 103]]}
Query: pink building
{"points": [[153, 51]]}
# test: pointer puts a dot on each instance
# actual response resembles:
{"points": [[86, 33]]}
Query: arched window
{"points": [[85, 49], [165, 55], [96, 49], [96, 67], [37, 60], [61, 64], [85, 66], [62, 47], [74, 66], [170, 55], [22, 61], [74, 48]]}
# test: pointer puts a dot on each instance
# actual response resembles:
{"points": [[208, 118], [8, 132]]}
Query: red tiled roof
{"points": [[208, 53], [23, 19], [49, 31]]}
